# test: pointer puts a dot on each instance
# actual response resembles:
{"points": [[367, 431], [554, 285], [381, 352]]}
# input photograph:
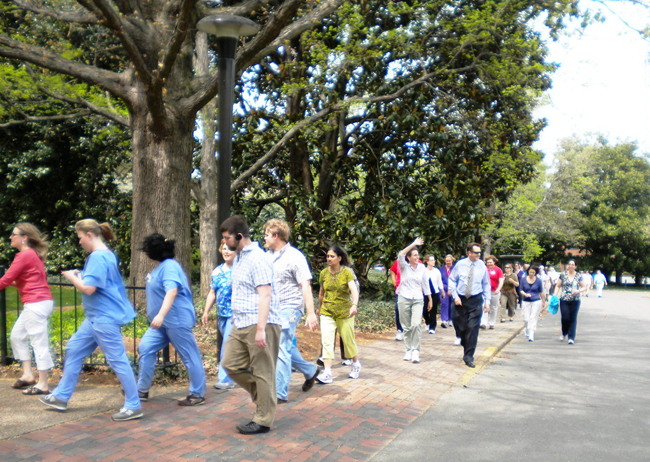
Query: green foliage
{"points": [[375, 316]]}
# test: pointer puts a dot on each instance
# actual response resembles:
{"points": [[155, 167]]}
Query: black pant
{"points": [[431, 317], [569, 311], [467, 318]]}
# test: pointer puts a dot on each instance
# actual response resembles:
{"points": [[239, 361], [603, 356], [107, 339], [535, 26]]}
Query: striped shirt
{"points": [[290, 269], [250, 270]]}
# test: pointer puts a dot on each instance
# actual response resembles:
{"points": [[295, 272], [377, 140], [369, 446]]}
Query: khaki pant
{"points": [[509, 302], [253, 368], [328, 327]]}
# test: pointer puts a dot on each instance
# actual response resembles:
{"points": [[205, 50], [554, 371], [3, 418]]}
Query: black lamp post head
{"points": [[225, 25]]}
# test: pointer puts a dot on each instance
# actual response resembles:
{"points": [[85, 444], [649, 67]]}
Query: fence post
{"points": [[4, 354]]}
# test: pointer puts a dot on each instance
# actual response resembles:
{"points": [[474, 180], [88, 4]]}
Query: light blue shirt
{"points": [[480, 279], [109, 303], [168, 275]]}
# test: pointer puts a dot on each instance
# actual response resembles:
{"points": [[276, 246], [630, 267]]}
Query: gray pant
{"points": [[410, 315]]}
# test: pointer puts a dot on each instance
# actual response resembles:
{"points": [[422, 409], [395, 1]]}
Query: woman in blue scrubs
{"points": [[170, 309], [106, 307]]}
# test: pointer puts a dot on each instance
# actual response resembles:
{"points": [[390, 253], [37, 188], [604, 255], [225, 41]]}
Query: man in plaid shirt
{"points": [[251, 350], [293, 286]]}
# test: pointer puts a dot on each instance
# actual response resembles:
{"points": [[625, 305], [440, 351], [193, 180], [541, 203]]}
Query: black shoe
{"points": [[252, 428], [282, 401], [143, 395], [192, 400], [309, 383], [470, 363]]}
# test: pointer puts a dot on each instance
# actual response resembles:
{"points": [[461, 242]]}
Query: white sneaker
{"points": [[457, 341], [346, 362], [356, 369], [571, 342], [432, 331], [325, 376], [400, 336], [531, 337], [563, 338], [416, 356], [426, 327], [408, 356], [127, 414]]}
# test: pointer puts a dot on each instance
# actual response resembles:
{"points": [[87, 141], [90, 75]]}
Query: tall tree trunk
{"points": [[162, 164], [207, 192]]}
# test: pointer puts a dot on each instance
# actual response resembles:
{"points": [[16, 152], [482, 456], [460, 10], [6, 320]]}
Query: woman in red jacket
{"points": [[27, 274]]}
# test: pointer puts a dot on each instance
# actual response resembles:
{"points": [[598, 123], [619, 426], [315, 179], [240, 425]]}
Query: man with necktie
{"points": [[469, 286]]}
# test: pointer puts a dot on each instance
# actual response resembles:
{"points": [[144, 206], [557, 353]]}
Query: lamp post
{"points": [[228, 29]]}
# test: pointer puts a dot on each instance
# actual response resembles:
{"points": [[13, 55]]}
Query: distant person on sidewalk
{"points": [[532, 291], [252, 346], [293, 285], [509, 293], [447, 306], [600, 281], [395, 279], [27, 274], [469, 285], [411, 294], [221, 294], [170, 310], [430, 312], [338, 300], [107, 308], [568, 289], [589, 282], [495, 274]]}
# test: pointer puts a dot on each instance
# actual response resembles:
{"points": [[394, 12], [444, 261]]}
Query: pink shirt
{"points": [[495, 274], [28, 270]]}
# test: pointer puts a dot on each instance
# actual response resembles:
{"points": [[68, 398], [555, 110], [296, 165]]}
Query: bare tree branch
{"points": [[78, 17], [180, 32], [53, 118], [316, 117], [87, 104], [268, 33], [111, 81], [253, 52], [114, 22], [241, 9]]}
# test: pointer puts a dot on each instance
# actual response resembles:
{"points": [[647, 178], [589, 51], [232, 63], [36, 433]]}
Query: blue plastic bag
{"points": [[553, 305]]}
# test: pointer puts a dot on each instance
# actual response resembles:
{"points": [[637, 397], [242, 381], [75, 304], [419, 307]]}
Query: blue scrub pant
{"points": [[224, 325], [183, 340], [287, 352], [87, 338]]}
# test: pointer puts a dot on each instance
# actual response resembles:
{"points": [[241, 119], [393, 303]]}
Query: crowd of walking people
{"points": [[260, 298]]}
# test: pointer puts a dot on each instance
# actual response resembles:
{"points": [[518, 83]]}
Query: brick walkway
{"points": [[349, 420]]}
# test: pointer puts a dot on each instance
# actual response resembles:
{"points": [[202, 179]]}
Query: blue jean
{"points": [[183, 340], [569, 311], [289, 355], [87, 338], [224, 325]]}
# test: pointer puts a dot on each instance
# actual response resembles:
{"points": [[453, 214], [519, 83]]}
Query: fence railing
{"points": [[66, 319]]}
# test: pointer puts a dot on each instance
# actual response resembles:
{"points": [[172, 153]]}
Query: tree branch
{"points": [[242, 9], [114, 22], [180, 32], [13, 49], [54, 118], [255, 51], [316, 117], [87, 104], [78, 17]]}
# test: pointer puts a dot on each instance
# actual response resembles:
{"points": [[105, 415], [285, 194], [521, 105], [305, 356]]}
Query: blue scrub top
{"points": [[109, 303], [222, 286], [166, 276]]}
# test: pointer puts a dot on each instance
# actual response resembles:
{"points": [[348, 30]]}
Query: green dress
{"points": [[336, 300]]}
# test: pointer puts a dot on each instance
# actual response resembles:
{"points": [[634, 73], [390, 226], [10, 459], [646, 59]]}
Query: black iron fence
{"points": [[66, 318]]}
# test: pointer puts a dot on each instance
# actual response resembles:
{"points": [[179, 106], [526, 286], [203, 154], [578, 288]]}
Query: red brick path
{"points": [[349, 420]]}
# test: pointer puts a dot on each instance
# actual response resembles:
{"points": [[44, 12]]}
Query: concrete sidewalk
{"points": [[348, 420]]}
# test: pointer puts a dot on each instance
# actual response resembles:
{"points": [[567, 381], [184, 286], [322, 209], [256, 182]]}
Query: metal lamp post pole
{"points": [[228, 29]]}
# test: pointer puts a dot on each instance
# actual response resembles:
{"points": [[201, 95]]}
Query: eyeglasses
{"points": [[476, 253]]}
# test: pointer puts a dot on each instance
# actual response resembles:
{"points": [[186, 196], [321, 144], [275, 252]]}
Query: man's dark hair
{"points": [[157, 247], [235, 225], [471, 245]]}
